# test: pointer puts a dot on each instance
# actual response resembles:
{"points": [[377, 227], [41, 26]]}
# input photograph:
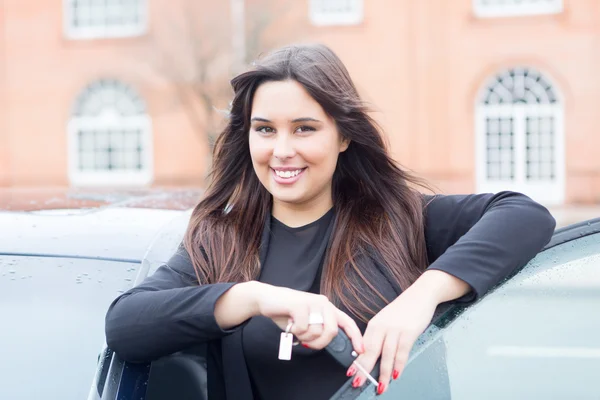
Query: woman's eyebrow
{"points": [[259, 119], [304, 119]]}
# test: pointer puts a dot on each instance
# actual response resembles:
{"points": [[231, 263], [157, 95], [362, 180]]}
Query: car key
{"points": [[341, 349]]}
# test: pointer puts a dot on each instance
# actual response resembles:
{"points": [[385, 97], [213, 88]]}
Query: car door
{"points": [[537, 336]]}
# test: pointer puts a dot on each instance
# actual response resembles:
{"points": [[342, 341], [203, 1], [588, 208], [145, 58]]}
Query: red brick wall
{"points": [[420, 63]]}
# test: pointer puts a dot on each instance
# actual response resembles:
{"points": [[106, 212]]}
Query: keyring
{"points": [[288, 331], [288, 328]]}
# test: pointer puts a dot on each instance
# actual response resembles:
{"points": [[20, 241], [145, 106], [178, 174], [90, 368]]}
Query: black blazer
{"points": [[480, 239]]}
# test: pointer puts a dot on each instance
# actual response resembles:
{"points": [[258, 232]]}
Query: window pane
{"points": [[506, 8], [336, 12], [53, 323], [540, 148], [500, 149], [106, 17], [536, 337]]}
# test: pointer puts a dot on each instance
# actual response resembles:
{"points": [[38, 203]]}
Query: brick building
{"points": [[474, 95]]}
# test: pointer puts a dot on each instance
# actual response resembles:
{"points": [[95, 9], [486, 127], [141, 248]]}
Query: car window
{"points": [[52, 323], [537, 336]]}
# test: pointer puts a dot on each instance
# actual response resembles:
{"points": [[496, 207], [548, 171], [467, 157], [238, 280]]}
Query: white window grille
{"points": [[96, 19], [519, 135], [336, 12], [516, 8], [110, 137]]}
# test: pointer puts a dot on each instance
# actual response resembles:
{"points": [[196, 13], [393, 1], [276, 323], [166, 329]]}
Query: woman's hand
{"points": [[283, 305], [392, 333]]}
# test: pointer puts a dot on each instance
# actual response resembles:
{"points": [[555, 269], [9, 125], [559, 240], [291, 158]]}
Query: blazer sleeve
{"points": [[481, 239], [168, 312]]}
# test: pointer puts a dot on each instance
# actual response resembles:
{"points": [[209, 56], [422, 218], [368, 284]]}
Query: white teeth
{"points": [[287, 174]]}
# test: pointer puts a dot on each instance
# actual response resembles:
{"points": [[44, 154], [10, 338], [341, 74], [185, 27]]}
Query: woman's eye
{"points": [[264, 129], [304, 129]]}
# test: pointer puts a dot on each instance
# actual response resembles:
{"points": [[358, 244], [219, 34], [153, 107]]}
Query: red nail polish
{"points": [[380, 388], [356, 382], [351, 371], [395, 374], [304, 345]]}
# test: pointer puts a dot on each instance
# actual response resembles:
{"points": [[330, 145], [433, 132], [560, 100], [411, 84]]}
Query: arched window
{"points": [[519, 135], [110, 139]]}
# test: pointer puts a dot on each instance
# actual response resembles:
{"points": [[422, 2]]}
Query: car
{"points": [[536, 335], [533, 336], [65, 254]]}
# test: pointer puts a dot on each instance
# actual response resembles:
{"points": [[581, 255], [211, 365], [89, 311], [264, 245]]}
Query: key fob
{"points": [[341, 349]]}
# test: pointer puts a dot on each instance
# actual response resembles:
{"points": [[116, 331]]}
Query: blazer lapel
{"points": [[235, 371]]}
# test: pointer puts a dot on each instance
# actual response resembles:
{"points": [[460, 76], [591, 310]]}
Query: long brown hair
{"points": [[377, 211]]}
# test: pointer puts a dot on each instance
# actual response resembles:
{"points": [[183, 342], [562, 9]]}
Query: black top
{"points": [[480, 239], [294, 260]]}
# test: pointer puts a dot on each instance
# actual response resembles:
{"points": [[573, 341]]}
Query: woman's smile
{"points": [[287, 176]]}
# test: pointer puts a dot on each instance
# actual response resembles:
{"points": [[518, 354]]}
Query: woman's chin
{"points": [[293, 198]]}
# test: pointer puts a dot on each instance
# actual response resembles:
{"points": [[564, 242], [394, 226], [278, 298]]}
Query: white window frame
{"points": [[512, 9], [319, 17], [103, 32], [538, 190], [109, 118]]}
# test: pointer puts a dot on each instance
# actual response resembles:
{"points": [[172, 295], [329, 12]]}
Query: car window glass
{"points": [[537, 336], [52, 317]]}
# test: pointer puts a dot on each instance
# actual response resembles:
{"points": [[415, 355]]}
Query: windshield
{"points": [[52, 312]]}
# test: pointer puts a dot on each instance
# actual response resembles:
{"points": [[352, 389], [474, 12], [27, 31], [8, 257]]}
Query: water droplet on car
{"points": [[128, 279], [12, 271]]}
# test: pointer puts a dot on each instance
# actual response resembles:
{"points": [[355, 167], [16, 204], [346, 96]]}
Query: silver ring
{"points": [[315, 318]]}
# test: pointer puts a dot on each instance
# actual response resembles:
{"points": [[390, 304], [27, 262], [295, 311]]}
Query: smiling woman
{"points": [[294, 147], [309, 226]]}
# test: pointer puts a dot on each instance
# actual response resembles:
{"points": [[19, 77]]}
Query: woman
{"points": [[308, 220]]}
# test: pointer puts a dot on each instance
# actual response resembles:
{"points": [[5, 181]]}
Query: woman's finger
{"points": [[373, 341], [345, 322], [314, 331], [300, 318], [328, 330], [402, 352], [388, 355]]}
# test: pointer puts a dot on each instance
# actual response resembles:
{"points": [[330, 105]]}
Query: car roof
{"points": [[116, 224], [66, 200]]}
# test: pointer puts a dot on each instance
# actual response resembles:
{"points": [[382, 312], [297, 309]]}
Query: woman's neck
{"points": [[295, 215]]}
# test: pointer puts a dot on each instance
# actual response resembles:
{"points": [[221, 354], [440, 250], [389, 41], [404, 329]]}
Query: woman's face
{"points": [[294, 144]]}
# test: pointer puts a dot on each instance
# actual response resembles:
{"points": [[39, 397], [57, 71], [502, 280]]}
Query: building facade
{"points": [[473, 95]]}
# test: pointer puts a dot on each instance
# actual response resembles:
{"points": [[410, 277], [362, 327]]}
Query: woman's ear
{"points": [[344, 143]]}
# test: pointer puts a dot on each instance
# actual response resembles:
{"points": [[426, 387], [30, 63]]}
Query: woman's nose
{"points": [[284, 147]]}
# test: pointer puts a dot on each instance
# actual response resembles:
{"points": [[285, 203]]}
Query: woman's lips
{"points": [[287, 181]]}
